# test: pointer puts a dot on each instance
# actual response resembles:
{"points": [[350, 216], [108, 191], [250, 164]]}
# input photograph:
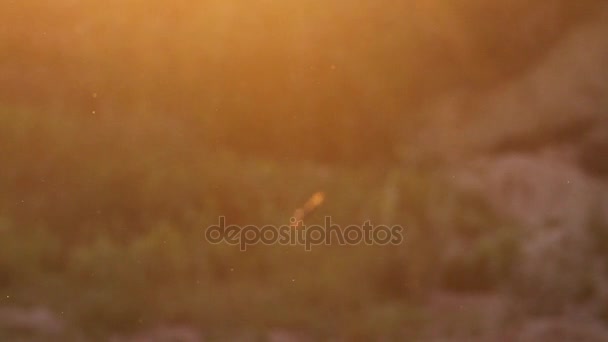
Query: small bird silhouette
{"points": [[313, 203]]}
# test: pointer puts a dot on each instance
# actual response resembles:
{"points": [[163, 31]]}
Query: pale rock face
{"points": [[535, 190], [38, 319], [550, 201], [563, 329]]}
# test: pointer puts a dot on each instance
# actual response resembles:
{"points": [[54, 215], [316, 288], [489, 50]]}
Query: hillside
{"points": [[559, 102], [129, 129]]}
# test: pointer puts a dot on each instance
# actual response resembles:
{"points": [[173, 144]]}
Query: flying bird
{"points": [[313, 203]]}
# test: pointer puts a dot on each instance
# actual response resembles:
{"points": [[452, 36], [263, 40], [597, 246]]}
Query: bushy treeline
{"points": [[104, 221], [325, 80]]}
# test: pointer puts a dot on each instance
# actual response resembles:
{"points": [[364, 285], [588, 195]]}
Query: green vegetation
{"points": [[128, 127], [114, 236]]}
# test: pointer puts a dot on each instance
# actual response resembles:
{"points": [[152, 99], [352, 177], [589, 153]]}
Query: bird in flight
{"points": [[313, 203]]}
